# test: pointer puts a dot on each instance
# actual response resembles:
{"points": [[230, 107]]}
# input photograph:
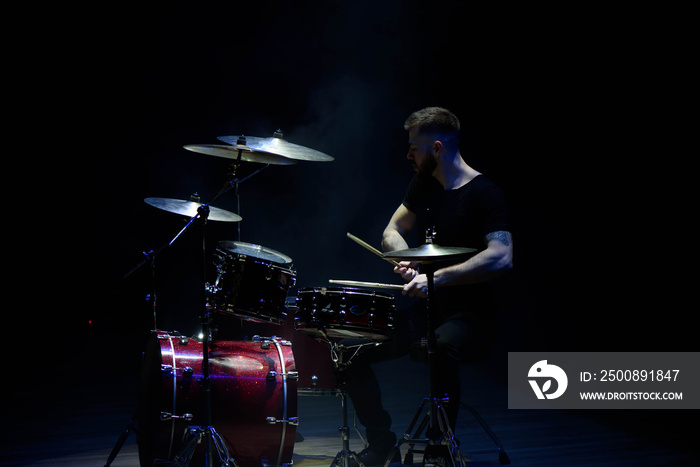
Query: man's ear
{"points": [[437, 148]]}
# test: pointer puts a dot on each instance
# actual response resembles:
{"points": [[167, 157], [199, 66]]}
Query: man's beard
{"points": [[426, 168]]}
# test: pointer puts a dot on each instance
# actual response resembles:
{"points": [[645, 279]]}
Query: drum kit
{"points": [[210, 401]]}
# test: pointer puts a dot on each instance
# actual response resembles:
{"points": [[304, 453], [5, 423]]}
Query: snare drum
{"points": [[253, 398], [341, 312], [252, 282]]}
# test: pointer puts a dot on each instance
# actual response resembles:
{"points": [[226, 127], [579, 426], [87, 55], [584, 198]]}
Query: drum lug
{"points": [[292, 421], [293, 375], [165, 416], [266, 342], [166, 369]]}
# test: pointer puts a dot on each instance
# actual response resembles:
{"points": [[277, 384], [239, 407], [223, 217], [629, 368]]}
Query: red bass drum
{"points": [[253, 398]]}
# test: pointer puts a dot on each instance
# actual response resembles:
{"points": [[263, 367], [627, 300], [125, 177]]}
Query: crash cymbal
{"points": [[281, 147], [248, 154], [256, 251], [189, 209], [429, 252]]}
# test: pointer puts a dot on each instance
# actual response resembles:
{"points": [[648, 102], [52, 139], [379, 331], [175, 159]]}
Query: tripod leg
{"points": [[222, 451], [121, 441], [503, 458], [193, 438], [441, 448]]}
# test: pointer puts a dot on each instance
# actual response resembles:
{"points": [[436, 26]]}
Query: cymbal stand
{"points": [[236, 183], [437, 425], [340, 363], [194, 434]]}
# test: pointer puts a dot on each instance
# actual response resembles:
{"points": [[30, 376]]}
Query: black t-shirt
{"points": [[461, 218]]}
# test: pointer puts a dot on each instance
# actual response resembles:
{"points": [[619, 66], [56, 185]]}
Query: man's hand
{"points": [[417, 283], [418, 287]]}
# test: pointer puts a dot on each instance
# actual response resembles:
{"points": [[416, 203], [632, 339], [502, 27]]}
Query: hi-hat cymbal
{"points": [[429, 252], [189, 209], [248, 154], [281, 147]]}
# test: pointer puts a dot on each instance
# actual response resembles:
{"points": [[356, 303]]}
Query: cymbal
{"points": [[248, 154], [429, 252], [280, 147], [189, 209], [256, 251]]}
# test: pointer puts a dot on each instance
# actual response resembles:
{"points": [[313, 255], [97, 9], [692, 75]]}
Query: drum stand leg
{"points": [[343, 457], [122, 439], [194, 434], [193, 437], [439, 441]]}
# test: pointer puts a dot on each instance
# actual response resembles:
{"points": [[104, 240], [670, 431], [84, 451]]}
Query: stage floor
{"points": [[76, 423]]}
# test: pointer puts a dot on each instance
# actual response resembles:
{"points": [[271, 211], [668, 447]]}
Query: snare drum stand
{"points": [[340, 364]]}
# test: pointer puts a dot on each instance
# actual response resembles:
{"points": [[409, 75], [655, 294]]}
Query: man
{"points": [[464, 209]]}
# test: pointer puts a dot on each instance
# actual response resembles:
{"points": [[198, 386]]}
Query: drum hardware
{"points": [[292, 375], [285, 418], [292, 421], [341, 360], [212, 441], [193, 437], [439, 432], [165, 416]]}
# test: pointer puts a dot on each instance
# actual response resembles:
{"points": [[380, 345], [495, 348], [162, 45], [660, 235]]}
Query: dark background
{"points": [[575, 113]]}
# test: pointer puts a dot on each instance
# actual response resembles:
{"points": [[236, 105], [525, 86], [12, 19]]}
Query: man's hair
{"points": [[433, 120]]}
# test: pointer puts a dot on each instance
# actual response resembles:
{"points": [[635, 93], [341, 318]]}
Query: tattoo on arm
{"points": [[501, 236]]}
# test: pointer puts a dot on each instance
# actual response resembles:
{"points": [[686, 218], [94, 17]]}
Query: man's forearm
{"points": [[481, 267], [393, 241]]}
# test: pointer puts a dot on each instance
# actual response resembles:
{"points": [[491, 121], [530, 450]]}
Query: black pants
{"points": [[459, 338]]}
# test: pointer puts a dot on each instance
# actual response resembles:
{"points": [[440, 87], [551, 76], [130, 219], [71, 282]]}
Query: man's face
{"points": [[420, 153]]}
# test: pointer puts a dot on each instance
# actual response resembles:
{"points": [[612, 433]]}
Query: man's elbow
{"points": [[504, 262]]}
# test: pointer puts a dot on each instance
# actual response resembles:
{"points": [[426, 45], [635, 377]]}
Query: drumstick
{"points": [[371, 248], [375, 285]]}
